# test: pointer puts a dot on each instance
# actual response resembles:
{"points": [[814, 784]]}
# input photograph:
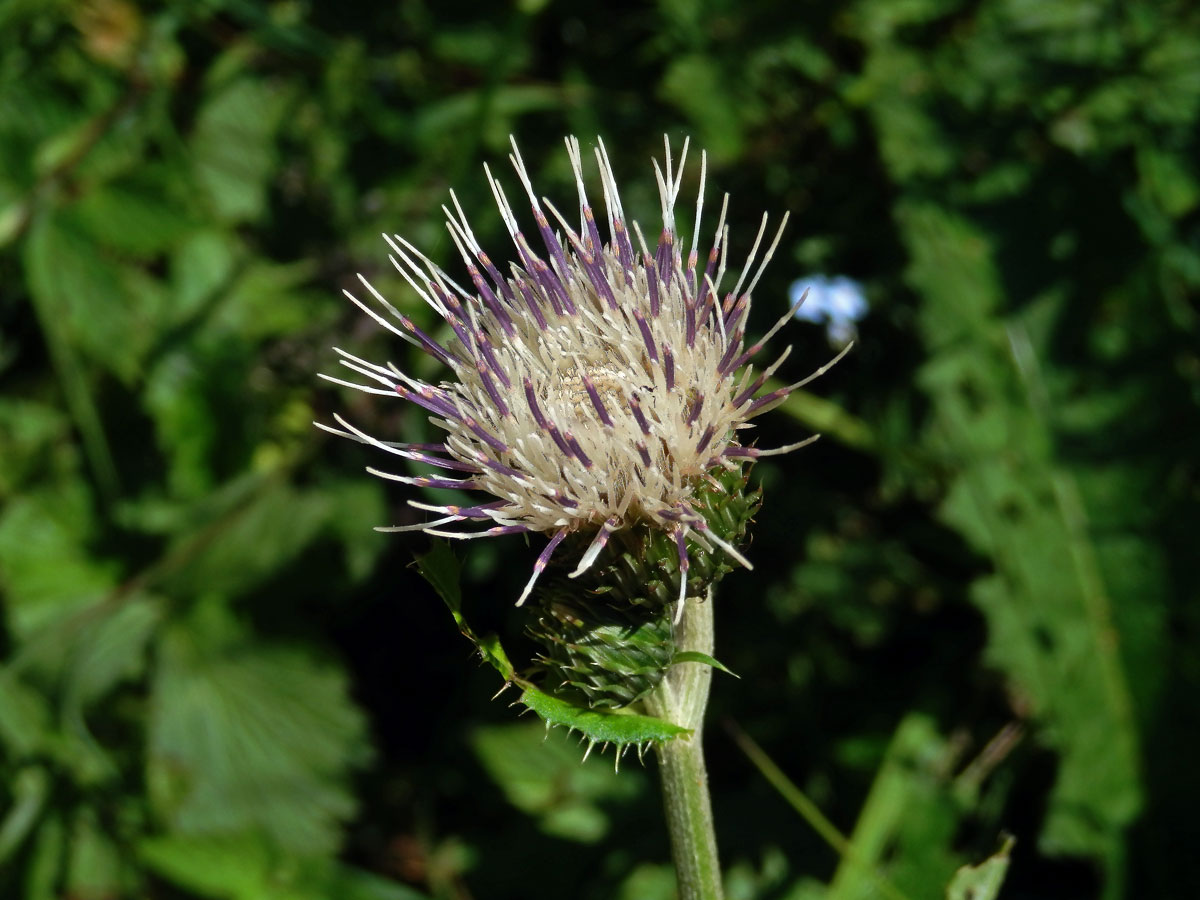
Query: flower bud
{"points": [[607, 637]]}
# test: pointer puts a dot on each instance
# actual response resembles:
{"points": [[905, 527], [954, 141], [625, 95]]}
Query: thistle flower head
{"points": [[593, 387]]}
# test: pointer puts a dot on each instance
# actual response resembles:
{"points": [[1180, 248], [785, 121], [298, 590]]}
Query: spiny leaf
{"points": [[601, 726], [441, 569]]}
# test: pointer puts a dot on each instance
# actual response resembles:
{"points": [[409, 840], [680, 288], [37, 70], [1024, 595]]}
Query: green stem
{"points": [[681, 698]]}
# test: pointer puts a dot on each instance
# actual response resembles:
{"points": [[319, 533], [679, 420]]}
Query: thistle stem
{"points": [[681, 697]]}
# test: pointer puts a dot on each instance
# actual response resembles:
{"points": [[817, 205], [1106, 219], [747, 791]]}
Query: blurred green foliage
{"points": [[974, 610]]}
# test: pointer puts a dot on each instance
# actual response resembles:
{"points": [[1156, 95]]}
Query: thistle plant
{"points": [[601, 394]]}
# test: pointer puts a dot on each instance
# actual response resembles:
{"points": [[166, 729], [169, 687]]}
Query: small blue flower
{"points": [[839, 302]]}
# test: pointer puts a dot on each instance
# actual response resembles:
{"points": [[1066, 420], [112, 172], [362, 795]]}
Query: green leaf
{"points": [[541, 776], [94, 865], [700, 90], [440, 567], [33, 443], [254, 527], [25, 718], [245, 867], [45, 568], [909, 815], [1049, 609], [618, 727], [30, 789], [982, 882], [201, 265], [250, 736], [649, 881], [696, 656], [43, 875], [88, 298], [233, 146], [112, 649], [895, 86], [133, 215], [265, 301], [59, 283]]}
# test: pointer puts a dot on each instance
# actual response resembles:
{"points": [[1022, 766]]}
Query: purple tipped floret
{"points": [[734, 316], [544, 557], [551, 282], [544, 423], [652, 284], [669, 366], [531, 261], [452, 464], [597, 276], [711, 266], [559, 441], [432, 347], [461, 332], [683, 555], [489, 300], [484, 435], [726, 368], [577, 450], [507, 529], [749, 392], [566, 501], [594, 396], [647, 337], [664, 256], [635, 406], [553, 244], [705, 438], [499, 280], [425, 398], [530, 298], [731, 350], [593, 233], [500, 468], [600, 282], [706, 302], [765, 399], [490, 387], [534, 408], [476, 512], [694, 412], [485, 348], [466, 484], [624, 248]]}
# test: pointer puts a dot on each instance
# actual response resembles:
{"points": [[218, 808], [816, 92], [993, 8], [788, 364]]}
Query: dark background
{"points": [[973, 611]]}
